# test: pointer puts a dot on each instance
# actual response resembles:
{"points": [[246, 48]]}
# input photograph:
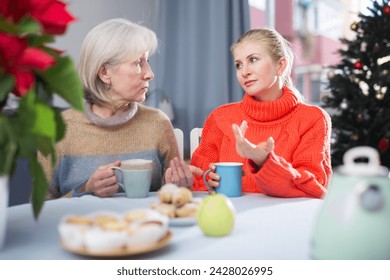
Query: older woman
{"points": [[115, 73]]}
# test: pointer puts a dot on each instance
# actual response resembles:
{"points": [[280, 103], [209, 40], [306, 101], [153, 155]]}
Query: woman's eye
{"points": [[238, 65], [253, 59]]}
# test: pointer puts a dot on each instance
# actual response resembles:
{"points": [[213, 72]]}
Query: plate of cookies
{"points": [[178, 204], [108, 234]]}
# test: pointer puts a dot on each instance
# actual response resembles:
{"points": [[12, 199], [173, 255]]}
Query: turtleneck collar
{"points": [[270, 110], [119, 118]]}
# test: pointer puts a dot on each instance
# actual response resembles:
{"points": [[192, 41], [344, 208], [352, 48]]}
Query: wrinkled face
{"points": [[256, 72], [129, 81]]}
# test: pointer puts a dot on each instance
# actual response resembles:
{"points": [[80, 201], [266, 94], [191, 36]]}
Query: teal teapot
{"points": [[354, 220]]}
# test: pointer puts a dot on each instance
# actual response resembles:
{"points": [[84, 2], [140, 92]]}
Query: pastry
{"points": [[188, 210], [166, 192], [114, 225], [135, 215], [181, 196], [78, 220], [99, 240], [145, 234], [165, 209], [100, 220], [143, 215], [72, 230]]}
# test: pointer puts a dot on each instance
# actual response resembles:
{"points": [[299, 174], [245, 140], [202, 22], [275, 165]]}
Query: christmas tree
{"points": [[358, 97]]}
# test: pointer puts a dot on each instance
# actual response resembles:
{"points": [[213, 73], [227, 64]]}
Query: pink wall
{"points": [[257, 18], [284, 18], [317, 50]]}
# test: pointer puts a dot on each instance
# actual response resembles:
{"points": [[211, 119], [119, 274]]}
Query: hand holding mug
{"points": [[224, 178], [103, 182], [213, 177], [257, 153], [135, 177]]}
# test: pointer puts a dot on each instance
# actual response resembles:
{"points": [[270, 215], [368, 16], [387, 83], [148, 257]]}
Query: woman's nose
{"points": [[245, 71], [149, 75]]}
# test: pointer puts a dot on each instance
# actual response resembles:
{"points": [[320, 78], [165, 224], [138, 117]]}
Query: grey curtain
{"points": [[193, 66]]}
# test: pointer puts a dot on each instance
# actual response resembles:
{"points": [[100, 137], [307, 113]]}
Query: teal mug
{"points": [[230, 183], [135, 182]]}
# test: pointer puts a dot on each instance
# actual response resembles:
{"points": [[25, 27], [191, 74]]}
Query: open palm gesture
{"points": [[258, 153]]}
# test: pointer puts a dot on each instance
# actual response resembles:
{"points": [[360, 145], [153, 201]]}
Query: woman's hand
{"points": [[213, 178], [181, 174], [257, 153], [103, 182]]}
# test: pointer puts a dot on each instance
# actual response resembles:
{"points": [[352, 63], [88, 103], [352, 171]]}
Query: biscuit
{"points": [[103, 219], [114, 225], [188, 210], [135, 215], [79, 220], [165, 209], [181, 196], [166, 192]]}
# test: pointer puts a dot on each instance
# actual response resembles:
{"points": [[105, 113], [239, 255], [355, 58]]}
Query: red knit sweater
{"points": [[299, 165]]}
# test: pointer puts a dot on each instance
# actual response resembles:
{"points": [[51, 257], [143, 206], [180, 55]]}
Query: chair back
{"points": [[195, 135], [180, 141]]}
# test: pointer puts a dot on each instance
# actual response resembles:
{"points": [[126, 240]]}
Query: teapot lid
{"points": [[370, 168]]}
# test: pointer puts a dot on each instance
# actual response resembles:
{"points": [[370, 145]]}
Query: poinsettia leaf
{"points": [[63, 79], [7, 83], [28, 25], [39, 186], [7, 27], [8, 147], [40, 41], [37, 117], [45, 145], [61, 126], [44, 123]]}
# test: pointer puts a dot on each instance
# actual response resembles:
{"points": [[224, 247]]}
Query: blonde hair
{"points": [[108, 44], [277, 47]]}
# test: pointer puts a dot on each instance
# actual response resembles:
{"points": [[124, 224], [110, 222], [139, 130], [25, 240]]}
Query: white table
{"points": [[266, 228]]}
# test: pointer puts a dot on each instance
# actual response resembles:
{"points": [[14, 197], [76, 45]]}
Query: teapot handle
{"points": [[361, 152]]}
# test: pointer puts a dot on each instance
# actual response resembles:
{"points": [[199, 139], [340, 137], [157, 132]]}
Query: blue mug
{"points": [[230, 183]]}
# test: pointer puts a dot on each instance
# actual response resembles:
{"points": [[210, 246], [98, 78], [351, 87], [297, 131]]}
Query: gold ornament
{"points": [[354, 137]]}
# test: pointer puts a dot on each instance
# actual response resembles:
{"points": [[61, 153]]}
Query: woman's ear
{"points": [[103, 75], [282, 66]]}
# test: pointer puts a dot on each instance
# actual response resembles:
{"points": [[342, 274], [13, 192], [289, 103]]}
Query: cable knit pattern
{"points": [[300, 164], [142, 132]]}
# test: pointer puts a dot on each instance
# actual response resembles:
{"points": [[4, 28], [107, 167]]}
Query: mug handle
{"points": [[117, 181], [205, 180]]}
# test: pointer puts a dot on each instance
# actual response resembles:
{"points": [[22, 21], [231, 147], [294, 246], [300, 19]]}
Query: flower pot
{"points": [[3, 208]]}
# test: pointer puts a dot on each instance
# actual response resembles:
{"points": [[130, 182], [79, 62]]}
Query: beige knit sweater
{"points": [[142, 132]]}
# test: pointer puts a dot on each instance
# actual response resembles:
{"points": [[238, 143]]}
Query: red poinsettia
{"points": [[32, 70], [51, 14], [19, 60]]}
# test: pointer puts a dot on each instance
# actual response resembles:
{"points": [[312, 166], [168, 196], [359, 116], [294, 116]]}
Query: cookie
{"points": [[181, 196]]}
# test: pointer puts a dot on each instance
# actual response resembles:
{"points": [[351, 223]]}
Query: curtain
{"points": [[194, 69]]}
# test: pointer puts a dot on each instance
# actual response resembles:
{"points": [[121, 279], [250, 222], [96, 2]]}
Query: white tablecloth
{"points": [[266, 228]]}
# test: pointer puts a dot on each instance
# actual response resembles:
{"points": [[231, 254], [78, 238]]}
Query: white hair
{"points": [[108, 44]]}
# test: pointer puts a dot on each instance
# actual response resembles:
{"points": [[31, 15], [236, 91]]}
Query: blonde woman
{"points": [[283, 143]]}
